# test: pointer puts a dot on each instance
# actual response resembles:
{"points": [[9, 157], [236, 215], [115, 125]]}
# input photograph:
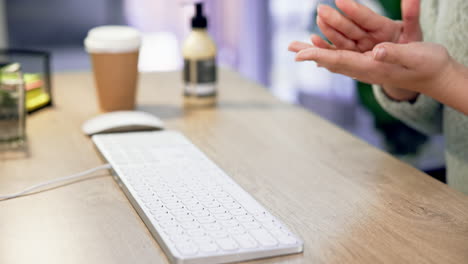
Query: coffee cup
{"points": [[114, 54]]}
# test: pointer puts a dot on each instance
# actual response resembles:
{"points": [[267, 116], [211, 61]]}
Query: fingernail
{"points": [[379, 53]]}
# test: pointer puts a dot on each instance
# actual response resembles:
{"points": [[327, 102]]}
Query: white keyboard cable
{"points": [[61, 179]]}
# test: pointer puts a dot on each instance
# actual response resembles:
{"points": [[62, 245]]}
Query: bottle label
{"points": [[202, 74], [200, 71]]}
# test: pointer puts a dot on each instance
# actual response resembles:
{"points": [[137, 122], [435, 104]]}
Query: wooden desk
{"points": [[350, 202]]}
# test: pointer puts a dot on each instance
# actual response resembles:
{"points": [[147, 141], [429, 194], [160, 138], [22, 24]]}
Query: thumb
{"points": [[411, 10], [400, 54]]}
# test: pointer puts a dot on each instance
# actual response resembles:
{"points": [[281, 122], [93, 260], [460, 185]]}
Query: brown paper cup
{"points": [[115, 76], [114, 55]]}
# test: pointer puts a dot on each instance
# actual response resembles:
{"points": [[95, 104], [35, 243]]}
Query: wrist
{"points": [[398, 94], [446, 80], [453, 90]]}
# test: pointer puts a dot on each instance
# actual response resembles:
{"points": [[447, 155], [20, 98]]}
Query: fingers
{"points": [[297, 46], [334, 58], [360, 66], [361, 15], [340, 41], [365, 44], [353, 64], [405, 55], [317, 41], [411, 11], [321, 43], [339, 22]]}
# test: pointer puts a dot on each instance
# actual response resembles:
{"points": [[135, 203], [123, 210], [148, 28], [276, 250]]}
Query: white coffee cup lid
{"points": [[112, 39]]}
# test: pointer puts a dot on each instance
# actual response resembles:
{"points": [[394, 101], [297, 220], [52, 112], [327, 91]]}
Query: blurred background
{"points": [[252, 37]]}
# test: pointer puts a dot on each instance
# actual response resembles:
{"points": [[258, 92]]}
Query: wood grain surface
{"points": [[350, 202]]}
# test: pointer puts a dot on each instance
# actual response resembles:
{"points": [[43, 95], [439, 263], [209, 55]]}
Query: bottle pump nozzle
{"points": [[199, 20]]}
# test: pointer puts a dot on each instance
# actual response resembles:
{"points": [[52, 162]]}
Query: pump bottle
{"points": [[200, 70]]}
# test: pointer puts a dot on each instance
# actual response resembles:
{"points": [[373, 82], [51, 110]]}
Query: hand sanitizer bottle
{"points": [[199, 52]]}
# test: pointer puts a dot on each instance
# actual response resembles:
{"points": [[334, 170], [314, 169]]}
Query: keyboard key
{"points": [[149, 198], [233, 206], [245, 218], [165, 194], [218, 234], [227, 244], [229, 223], [218, 210], [206, 219], [186, 195], [185, 218], [208, 247], [226, 200], [287, 240], [141, 188], [195, 207], [201, 193], [238, 211], [220, 194], [205, 199], [251, 225], [264, 217], [211, 204], [175, 206], [263, 237], [169, 200], [196, 232], [169, 223], [154, 204], [187, 249], [202, 239], [214, 188], [180, 238], [175, 230], [159, 211], [164, 217], [201, 213], [144, 191], [236, 230], [252, 207], [246, 241], [223, 217], [180, 212], [191, 201], [271, 225], [190, 225], [278, 232], [180, 190], [212, 227]]}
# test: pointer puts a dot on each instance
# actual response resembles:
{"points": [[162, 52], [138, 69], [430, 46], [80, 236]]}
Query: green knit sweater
{"points": [[444, 22]]}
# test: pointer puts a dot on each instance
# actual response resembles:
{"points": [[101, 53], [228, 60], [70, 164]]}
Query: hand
{"points": [[417, 67], [360, 29]]}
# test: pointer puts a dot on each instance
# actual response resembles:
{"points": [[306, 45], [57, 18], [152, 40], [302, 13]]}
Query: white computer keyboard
{"points": [[196, 212]]}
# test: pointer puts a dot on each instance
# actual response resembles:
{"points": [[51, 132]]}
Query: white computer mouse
{"points": [[122, 121]]}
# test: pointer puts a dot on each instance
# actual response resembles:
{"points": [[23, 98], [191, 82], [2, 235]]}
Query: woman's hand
{"points": [[360, 29], [418, 67]]}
